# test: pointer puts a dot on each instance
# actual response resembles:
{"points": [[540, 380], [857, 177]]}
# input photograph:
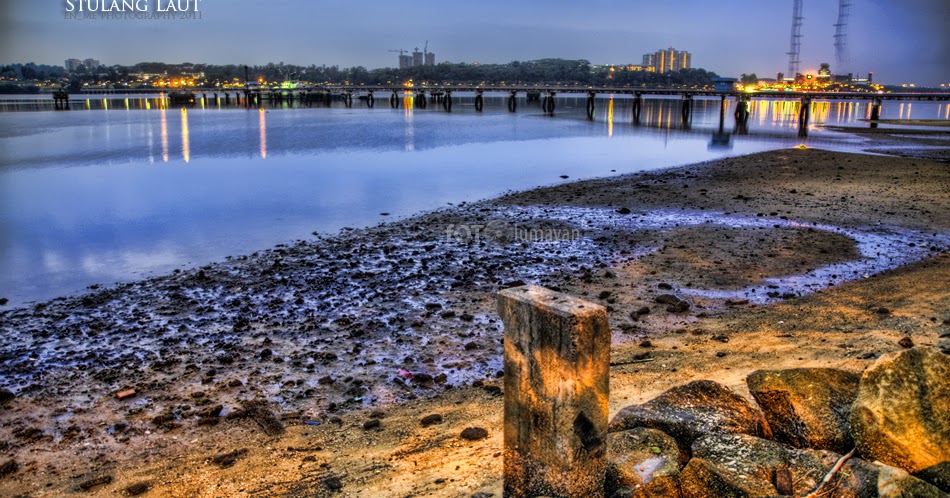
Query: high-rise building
{"points": [[91, 64], [430, 58], [664, 61], [405, 61], [73, 64], [417, 57]]}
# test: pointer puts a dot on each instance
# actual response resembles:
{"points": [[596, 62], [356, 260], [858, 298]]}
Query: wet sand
{"points": [[789, 258]]}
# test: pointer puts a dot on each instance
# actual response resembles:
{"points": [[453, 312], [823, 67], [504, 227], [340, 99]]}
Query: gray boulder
{"points": [[902, 413], [702, 479], [692, 410], [748, 460], [807, 407]]}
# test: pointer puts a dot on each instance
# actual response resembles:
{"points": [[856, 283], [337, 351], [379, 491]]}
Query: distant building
{"points": [[430, 58], [91, 64], [824, 73], [664, 61], [405, 61], [73, 64], [417, 57], [725, 84]]}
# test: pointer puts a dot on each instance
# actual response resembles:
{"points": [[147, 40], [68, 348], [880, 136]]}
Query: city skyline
{"points": [[900, 42]]}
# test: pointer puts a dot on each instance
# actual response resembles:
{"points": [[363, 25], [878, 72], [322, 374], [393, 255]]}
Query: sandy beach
{"points": [[307, 369]]}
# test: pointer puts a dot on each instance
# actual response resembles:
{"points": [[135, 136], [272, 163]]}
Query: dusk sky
{"points": [[901, 41]]}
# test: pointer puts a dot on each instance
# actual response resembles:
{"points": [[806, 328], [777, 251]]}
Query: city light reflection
{"points": [[408, 105], [164, 136], [610, 117], [263, 127], [185, 140]]}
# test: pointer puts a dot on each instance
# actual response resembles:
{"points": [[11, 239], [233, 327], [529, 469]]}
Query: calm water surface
{"points": [[98, 196]]}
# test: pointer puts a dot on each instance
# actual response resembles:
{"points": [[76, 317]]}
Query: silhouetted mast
{"points": [[841, 32], [796, 42]]}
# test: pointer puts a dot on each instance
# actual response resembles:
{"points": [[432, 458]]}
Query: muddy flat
{"points": [[307, 369]]}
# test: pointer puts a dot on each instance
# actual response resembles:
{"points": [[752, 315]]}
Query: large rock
{"points": [[938, 475], [807, 407], [856, 478], [745, 459], [902, 414], [897, 483], [702, 479], [692, 410], [743, 465], [642, 463]]}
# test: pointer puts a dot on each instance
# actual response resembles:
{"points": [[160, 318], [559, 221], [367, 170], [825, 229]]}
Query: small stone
{"points": [[667, 299], [126, 394], [474, 434], [4, 301], [333, 483], [721, 354], [225, 460], [6, 395], [95, 481], [9, 467], [137, 488], [432, 419], [664, 286], [679, 307], [906, 343], [623, 210], [646, 344], [371, 424]]}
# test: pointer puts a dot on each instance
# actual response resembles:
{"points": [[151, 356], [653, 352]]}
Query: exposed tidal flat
{"points": [[308, 368]]}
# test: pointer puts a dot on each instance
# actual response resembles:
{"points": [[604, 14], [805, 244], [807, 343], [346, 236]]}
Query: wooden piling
{"points": [[557, 368]]}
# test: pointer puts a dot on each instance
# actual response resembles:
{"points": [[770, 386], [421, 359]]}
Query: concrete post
{"points": [[557, 368]]}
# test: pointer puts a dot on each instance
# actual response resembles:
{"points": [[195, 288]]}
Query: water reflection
{"points": [[185, 139], [408, 104], [164, 136], [610, 117], [263, 130]]}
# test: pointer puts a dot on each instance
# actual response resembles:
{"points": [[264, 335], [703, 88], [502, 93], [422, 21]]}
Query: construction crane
{"points": [[426, 49], [401, 51]]}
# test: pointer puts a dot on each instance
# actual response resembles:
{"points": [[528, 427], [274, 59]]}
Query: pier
{"points": [[442, 95]]}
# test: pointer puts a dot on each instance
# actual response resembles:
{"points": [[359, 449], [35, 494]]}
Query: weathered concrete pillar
{"points": [[557, 368]]}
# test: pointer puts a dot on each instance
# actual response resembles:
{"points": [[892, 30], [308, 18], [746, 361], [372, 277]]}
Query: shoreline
{"points": [[343, 317]]}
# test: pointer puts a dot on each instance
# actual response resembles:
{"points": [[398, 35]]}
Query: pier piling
{"points": [[556, 362]]}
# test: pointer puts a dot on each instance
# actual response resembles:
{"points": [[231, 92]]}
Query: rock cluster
{"points": [[703, 440]]}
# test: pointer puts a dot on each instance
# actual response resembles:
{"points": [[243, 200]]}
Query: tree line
{"points": [[545, 72]]}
